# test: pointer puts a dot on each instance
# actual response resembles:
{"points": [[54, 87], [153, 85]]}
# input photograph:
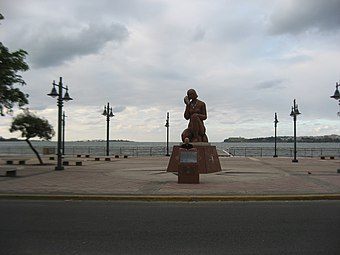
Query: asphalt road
{"points": [[83, 227]]}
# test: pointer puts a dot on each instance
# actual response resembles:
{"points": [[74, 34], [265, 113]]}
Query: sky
{"points": [[246, 60]]}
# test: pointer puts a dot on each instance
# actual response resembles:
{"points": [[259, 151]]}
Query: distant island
{"points": [[101, 140], [286, 139], [10, 139]]}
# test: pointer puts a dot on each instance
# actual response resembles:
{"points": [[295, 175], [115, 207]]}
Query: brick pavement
{"points": [[147, 176]]}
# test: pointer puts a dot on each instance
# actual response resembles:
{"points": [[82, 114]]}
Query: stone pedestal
{"points": [[188, 173], [207, 158]]}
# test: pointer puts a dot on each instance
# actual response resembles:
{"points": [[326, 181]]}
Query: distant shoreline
{"points": [[33, 140], [285, 139]]}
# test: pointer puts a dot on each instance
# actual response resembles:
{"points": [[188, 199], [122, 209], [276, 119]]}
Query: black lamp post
{"points": [[336, 96], [167, 125], [64, 122], [60, 98], [294, 113], [108, 113], [275, 125]]}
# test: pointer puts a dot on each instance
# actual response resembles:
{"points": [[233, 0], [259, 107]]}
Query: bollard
{"points": [[11, 173]]}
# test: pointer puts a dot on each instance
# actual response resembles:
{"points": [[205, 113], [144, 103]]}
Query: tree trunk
{"points": [[35, 151]]}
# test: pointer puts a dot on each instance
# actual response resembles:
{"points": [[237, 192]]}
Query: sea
{"points": [[140, 149]]}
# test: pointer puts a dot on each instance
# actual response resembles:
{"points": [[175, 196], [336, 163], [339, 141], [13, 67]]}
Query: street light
{"points": [[108, 113], [294, 113], [64, 122], [167, 125], [336, 96], [275, 125], [60, 98]]}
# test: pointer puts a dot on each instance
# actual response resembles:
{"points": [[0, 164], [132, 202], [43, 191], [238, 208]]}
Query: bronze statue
{"points": [[196, 113]]}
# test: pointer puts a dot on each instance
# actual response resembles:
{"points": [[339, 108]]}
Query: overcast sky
{"points": [[246, 60]]}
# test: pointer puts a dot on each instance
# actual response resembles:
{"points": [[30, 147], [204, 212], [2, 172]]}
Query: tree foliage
{"points": [[10, 64], [32, 126]]}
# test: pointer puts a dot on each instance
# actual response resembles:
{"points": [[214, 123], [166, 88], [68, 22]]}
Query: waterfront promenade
{"points": [[133, 178]]}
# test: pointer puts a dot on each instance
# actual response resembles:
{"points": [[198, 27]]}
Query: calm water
{"points": [[159, 148]]}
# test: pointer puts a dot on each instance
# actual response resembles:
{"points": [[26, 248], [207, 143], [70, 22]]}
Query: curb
{"points": [[148, 198]]}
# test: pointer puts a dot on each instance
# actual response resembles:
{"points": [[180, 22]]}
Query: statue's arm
{"points": [[186, 112]]}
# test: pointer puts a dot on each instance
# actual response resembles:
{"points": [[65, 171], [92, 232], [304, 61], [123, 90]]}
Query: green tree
{"points": [[31, 126], [10, 64]]}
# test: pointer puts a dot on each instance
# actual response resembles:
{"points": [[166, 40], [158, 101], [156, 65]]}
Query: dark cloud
{"points": [[119, 108], [52, 47], [199, 34], [269, 84], [305, 15]]}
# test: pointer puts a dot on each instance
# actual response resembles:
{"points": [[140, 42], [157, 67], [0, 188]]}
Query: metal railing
{"points": [[283, 152], [141, 151]]}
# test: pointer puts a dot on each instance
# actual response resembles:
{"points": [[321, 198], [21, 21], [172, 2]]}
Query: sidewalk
{"points": [[146, 178]]}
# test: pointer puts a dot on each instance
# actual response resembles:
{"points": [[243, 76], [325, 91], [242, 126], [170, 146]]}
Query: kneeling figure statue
{"points": [[196, 113]]}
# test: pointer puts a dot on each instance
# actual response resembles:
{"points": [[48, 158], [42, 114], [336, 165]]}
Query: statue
{"points": [[196, 113], [195, 139]]}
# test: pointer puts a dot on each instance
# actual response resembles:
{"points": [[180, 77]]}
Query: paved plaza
{"points": [[138, 177]]}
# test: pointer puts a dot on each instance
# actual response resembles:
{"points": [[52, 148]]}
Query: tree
{"points": [[31, 126], [10, 64]]}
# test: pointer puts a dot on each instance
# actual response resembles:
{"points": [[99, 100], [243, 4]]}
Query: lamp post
{"points": [[60, 98], [336, 96], [108, 113], [167, 125], [64, 122], [275, 125], [294, 113]]}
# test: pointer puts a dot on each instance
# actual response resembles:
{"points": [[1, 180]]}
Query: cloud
{"points": [[199, 34], [246, 60], [295, 17], [53, 48], [119, 108], [271, 84]]}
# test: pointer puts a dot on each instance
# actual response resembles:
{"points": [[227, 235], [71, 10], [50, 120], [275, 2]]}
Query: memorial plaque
{"points": [[188, 156]]}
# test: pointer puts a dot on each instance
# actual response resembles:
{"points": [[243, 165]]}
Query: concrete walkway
{"points": [[146, 179]]}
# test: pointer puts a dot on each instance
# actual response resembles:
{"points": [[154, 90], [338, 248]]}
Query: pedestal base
{"points": [[207, 158], [188, 173]]}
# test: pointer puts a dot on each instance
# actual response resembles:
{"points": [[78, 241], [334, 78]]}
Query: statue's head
{"points": [[191, 93]]}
